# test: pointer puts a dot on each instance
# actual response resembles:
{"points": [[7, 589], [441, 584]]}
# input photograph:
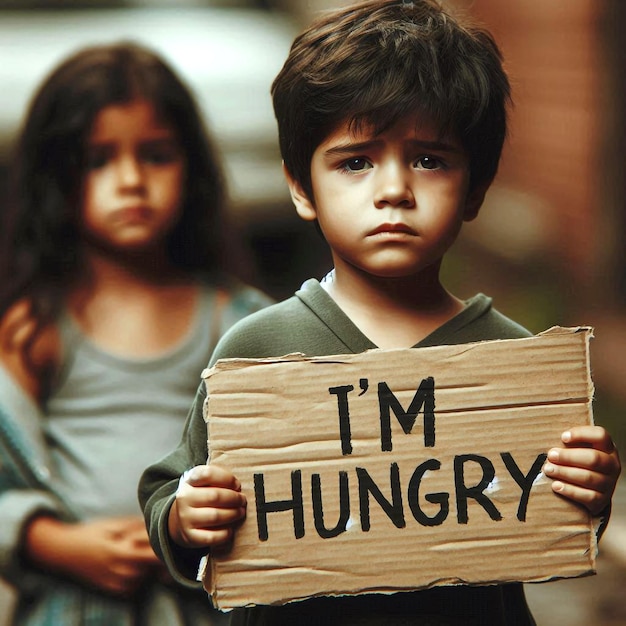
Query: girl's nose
{"points": [[393, 188], [130, 173]]}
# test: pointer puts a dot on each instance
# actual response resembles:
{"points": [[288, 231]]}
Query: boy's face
{"points": [[391, 204]]}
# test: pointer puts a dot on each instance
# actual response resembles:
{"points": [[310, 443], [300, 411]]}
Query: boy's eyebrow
{"points": [[350, 148]]}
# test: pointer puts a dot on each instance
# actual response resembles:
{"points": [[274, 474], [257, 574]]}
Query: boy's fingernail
{"points": [[557, 486], [195, 473], [548, 468], [553, 454], [566, 436]]}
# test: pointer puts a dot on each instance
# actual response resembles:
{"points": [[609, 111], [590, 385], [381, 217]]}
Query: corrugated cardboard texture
{"points": [[297, 425]]}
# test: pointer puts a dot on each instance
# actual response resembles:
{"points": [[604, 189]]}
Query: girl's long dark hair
{"points": [[40, 255]]}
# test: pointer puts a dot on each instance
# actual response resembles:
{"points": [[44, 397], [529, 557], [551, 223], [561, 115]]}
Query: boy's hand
{"points": [[586, 469], [208, 503]]}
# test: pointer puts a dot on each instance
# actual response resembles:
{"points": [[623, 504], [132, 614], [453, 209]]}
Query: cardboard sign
{"points": [[402, 469]]}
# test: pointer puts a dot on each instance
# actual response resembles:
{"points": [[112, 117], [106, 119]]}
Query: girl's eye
{"points": [[357, 164], [157, 157], [428, 163], [160, 152], [97, 158]]}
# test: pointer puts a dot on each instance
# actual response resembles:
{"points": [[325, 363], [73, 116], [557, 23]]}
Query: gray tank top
{"points": [[111, 417]]}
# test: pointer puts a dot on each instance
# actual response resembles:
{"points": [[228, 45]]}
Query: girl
{"points": [[116, 279]]}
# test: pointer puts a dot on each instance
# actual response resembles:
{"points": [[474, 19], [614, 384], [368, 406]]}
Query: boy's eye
{"points": [[427, 163], [357, 164]]}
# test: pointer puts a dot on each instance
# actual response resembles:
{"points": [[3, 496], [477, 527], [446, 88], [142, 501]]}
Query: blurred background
{"points": [[549, 245]]}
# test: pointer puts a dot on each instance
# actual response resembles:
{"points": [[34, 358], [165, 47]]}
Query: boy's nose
{"points": [[393, 189]]}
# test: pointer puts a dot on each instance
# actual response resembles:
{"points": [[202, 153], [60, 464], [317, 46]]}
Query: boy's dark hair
{"points": [[372, 62], [40, 255]]}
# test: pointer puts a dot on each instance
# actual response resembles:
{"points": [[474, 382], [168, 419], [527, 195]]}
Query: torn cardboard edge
{"points": [[384, 453]]}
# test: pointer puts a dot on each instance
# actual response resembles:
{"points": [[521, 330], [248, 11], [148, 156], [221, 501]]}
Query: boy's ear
{"points": [[304, 206], [475, 199]]}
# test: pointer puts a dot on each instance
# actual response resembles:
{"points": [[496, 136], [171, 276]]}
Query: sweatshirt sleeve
{"points": [[157, 489], [158, 484]]}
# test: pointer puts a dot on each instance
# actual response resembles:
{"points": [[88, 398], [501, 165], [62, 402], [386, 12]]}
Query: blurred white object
{"points": [[229, 58]]}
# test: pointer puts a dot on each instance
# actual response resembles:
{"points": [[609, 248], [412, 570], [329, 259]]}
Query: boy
{"points": [[391, 119]]}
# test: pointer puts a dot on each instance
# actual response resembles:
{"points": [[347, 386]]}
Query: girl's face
{"points": [[134, 177]]}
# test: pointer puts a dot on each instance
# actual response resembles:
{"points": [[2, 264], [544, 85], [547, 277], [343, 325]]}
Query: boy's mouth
{"points": [[393, 228]]}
